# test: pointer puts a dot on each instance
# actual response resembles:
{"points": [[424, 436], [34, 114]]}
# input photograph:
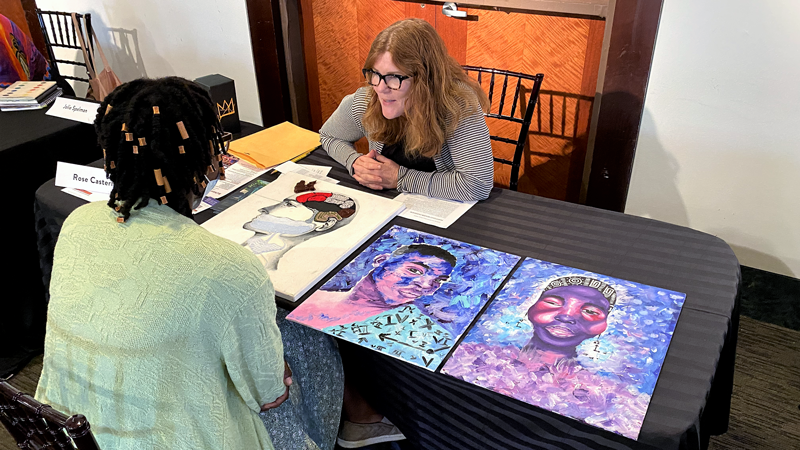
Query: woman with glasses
{"points": [[422, 116]]}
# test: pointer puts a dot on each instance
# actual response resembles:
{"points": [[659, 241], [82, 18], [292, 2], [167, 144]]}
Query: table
{"points": [[30, 145], [692, 398]]}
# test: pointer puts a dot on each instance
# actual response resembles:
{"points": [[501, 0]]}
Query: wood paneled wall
{"points": [[566, 50], [13, 10]]}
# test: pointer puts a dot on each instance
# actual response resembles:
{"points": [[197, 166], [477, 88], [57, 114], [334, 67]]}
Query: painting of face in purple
{"points": [[409, 294], [411, 272], [583, 345]]}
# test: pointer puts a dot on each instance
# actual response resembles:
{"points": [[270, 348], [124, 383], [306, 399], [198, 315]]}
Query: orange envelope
{"points": [[275, 145]]}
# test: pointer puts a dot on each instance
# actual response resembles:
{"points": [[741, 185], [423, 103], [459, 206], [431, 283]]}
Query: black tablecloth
{"points": [[30, 145], [692, 397]]}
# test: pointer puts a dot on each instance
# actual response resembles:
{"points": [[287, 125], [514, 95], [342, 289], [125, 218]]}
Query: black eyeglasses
{"points": [[392, 81]]}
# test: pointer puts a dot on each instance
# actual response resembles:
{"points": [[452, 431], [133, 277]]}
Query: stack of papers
{"points": [[25, 95]]}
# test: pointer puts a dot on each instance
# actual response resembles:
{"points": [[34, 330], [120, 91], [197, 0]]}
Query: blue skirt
{"points": [[309, 418]]}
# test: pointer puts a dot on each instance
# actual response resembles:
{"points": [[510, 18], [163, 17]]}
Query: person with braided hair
{"points": [[162, 334]]}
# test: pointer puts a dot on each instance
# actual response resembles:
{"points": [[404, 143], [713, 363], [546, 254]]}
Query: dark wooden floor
{"points": [[766, 393]]}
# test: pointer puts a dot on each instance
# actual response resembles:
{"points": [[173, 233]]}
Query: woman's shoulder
{"points": [[466, 97], [361, 99]]}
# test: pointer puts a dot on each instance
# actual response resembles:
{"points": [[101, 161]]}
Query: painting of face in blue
{"points": [[410, 295], [580, 344]]}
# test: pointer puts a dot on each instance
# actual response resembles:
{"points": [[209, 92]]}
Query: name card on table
{"points": [[83, 177], [71, 109]]}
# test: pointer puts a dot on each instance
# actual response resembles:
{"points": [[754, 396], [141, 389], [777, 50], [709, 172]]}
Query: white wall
{"points": [[156, 38], [718, 148]]}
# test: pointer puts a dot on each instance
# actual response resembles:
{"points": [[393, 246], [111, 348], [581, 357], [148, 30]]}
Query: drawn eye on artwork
{"points": [[280, 227]]}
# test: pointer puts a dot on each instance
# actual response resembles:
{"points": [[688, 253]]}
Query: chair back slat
{"points": [[75, 34], [516, 97], [491, 91], [38, 426], [52, 28], [60, 34], [503, 95]]}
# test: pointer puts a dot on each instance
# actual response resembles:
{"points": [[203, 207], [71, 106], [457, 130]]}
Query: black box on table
{"points": [[223, 94]]}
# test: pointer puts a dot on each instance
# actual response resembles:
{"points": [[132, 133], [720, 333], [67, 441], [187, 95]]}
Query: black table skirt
{"points": [[692, 398], [31, 143]]}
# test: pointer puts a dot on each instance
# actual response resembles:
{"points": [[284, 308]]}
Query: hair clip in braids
{"points": [[167, 188], [129, 137], [142, 142], [159, 178], [108, 108], [163, 200], [124, 127], [135, 149], [182, 130], [156, 110], [181, 150], [120, 220], [113, 166]]}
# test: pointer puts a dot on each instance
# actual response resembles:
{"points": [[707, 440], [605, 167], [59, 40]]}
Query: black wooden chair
{"points": [[516, 115], [37, 426], [59, 32]]}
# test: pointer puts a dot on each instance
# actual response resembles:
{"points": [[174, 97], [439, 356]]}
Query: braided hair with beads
{"points": [[159, 137]]}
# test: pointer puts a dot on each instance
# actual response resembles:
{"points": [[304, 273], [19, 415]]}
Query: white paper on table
{"points": [[433, 211], [87, 195], [236, 175], [321, 170], [316, 172], [72, 109]]}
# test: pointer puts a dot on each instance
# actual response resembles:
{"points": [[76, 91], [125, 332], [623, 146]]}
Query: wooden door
{"points": [[566, 50]]}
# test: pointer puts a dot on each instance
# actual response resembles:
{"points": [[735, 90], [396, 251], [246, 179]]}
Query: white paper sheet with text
{"points": [[237, 174], [433, 211], [316, 172]]}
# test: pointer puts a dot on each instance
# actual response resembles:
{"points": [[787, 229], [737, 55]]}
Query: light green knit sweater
{"points": [[160, 333]]}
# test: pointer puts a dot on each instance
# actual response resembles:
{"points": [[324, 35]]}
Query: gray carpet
{"points": [[766, 394]]}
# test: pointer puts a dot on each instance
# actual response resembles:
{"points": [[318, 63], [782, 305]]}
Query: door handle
{"points": [[450, 9]]}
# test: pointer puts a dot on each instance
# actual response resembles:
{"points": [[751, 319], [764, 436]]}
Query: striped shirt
{"points": [[464, 166]]}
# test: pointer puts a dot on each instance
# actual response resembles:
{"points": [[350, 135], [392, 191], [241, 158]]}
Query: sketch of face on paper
{"points": [[409, 294], [580, 344], [296, 219]]}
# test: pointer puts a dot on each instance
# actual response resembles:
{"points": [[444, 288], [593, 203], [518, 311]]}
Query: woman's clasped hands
{"points": [[376, 171]]}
